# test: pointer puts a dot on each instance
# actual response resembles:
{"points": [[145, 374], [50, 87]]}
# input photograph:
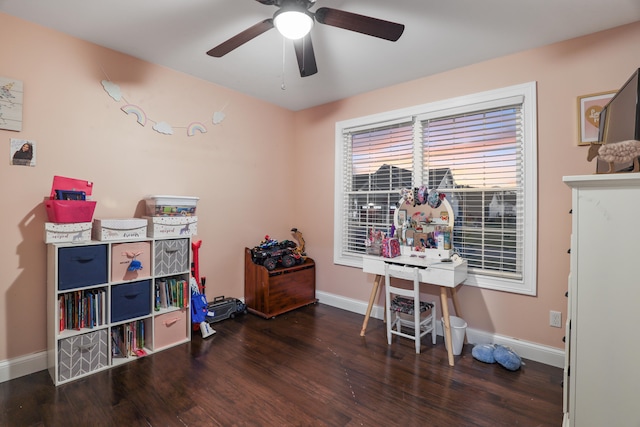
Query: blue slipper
{"points": [[507, 358], [484, 353]]}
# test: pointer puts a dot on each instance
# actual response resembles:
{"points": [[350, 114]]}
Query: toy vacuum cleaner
{"points": [[199, 306]]}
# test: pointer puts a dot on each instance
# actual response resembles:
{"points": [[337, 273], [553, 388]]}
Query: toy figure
{"points": [[297, 235], [405, 227], [134, 264], [407, 196], [435, 198], [618, 152], [422, 195]]}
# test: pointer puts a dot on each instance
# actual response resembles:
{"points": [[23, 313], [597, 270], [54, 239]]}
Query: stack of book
{"points": [[171, 293], [82, 309], [128, 340]]}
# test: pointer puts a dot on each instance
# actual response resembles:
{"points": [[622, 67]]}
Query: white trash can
{"points": [[458, 329]]}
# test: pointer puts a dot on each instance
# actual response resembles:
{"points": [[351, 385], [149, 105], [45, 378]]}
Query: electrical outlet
{"points": [[555, 319]]}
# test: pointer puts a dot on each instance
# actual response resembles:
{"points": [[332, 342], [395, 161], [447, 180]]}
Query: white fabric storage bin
{"points": [[119, 229], [172, 226], [67, 233]]}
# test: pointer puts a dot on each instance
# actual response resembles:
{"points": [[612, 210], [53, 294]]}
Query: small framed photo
{"points": [[402, 216], [22, 152], [589, 108], [421, 240]]}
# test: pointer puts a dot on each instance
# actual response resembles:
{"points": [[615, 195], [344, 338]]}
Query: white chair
{"points": [[425, 320]]}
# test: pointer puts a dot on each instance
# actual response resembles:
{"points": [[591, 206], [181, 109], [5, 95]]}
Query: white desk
{"points": [[445, 275]]}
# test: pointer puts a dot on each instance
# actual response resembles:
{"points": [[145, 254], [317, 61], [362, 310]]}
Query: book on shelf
{"points": [[61, 312], [171, 292], [162, 288], [185, 293], [128, 340], [81, 309], [156, 293]]}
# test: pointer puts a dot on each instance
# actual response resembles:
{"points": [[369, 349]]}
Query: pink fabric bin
{"points": [[170, 328], [69, 211], [121, 256]]}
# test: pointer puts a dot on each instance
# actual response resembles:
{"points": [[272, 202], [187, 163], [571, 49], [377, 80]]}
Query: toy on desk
{"points": [[419, 217], [421, 196], [435, 198], [390, 247], [406, 196], [373, 243], [423, 244], [135, 264], [403, 234]]}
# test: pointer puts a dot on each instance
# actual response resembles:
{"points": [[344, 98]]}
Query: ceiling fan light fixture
{"points": [[293, 24]]}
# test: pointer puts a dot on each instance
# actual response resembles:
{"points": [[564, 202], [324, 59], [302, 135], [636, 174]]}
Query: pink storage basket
{"points": [[70, 211]]}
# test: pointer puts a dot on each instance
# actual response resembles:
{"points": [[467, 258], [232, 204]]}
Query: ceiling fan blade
{"points": [[359, 23], [241, 38], [305, 55]]}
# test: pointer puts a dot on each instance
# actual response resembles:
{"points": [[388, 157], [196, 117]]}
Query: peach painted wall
{"points": [[563, 71], [81, 132], [240, 168]]}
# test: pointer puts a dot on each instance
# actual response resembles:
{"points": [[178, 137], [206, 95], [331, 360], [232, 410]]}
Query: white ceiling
{"points": [[439, 35]]}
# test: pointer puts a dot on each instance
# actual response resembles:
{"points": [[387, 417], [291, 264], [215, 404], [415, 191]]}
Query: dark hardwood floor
{"points": [[308, 367]]}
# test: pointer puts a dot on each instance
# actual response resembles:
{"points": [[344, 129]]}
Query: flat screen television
{"points": [[620, 118]]}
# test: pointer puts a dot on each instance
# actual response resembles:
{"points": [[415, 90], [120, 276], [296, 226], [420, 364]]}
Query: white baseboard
{"points": [[23, 365], [527, 350]]}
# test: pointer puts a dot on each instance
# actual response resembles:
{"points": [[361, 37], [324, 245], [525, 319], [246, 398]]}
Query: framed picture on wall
{"points": [[589, 108], [22, 152], [11, 104]]}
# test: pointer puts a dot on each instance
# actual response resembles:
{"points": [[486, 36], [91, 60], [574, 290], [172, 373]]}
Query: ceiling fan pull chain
{"points": [[283, 86], [303, 54]]}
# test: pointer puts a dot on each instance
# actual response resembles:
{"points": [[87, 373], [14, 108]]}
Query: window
{"points": [[480, 150]]}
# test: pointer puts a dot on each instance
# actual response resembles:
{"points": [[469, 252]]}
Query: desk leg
{"points": [[372, 298], [447, 323], [456, 306], [454, 298]]}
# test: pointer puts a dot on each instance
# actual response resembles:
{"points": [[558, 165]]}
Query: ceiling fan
{"points": [[298, 12]]}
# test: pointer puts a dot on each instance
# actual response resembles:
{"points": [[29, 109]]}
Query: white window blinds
{"points": [[476, 158], [480, 150], [381, 161]]}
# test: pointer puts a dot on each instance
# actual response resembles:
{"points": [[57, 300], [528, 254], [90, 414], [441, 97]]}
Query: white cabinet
{"points": [[602, 373], [113, 302]]}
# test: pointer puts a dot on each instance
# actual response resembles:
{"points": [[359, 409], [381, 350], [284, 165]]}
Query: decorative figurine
{"points": [[297, 235], [435, 198], [618, 152], [134, 264]]}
